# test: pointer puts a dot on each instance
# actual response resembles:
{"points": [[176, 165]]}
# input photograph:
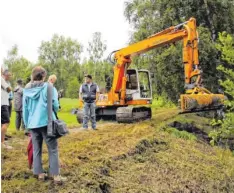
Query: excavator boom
{"points": [[196, 97]]}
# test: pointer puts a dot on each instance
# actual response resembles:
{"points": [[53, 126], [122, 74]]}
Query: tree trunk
{"points": [[210, 21]]}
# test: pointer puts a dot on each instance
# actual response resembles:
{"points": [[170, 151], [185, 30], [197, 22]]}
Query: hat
{"points": [[19, 81], [88, 76]]}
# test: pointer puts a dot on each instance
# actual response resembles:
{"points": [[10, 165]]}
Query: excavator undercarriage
{"points": [[127, 114]]}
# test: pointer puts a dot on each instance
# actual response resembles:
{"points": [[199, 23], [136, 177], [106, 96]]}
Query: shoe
{"points": [[6, 146], [8, 136], [58, 179], [27, 133], [42, 176]]}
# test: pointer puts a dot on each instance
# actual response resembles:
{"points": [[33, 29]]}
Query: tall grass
{"points": [[162, 102]]}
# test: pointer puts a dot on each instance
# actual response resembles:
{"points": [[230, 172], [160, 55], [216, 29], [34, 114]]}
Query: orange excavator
{"points": [[131, 93]]}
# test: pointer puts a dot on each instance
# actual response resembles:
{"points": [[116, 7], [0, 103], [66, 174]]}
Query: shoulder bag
{"points": [[55, 128]]}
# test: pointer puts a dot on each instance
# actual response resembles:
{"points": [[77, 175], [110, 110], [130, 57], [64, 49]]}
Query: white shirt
{"points": [[4, 93], [89, 85]]}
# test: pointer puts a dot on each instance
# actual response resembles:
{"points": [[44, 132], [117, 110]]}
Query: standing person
{"points": [[8, 76], [5, 116], [35, 113], [52, 79], [60, 95], [89, 93], [18, 99]]}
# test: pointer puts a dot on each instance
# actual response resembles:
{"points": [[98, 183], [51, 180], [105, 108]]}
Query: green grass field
{"points": [[68, 104], [64, 114]]}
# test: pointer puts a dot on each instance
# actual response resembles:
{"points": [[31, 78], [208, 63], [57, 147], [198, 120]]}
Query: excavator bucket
{"points": [[201, 102]]}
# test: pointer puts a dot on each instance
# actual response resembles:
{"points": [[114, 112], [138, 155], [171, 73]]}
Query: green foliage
{"points": [[99, 70], [96, 65], [161, 101], [181, 134], [149, 16], [226, 47], [96, 47], [73, 88], [61, 56], [19, 66], [208, 58]]}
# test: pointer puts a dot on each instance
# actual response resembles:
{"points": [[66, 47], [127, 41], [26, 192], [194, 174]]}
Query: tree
{"points": [[73, 88], [96, 65], [226, 47], [153, 15], [19, 66], [96, 47], [61, 56]]}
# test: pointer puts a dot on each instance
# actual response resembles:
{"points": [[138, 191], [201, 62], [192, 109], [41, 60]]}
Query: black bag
{"points": [[56, 128]]}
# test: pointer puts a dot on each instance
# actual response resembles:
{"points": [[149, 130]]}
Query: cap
{"points": [[88, 76]]}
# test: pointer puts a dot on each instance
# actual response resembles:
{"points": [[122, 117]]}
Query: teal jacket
{"points": [[35, 105]]}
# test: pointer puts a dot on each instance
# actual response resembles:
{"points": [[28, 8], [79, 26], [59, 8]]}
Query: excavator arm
{"points": [[196, 96]]}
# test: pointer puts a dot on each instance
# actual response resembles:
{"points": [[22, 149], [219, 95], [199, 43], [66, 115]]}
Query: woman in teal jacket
{"points": [[35, 117]]}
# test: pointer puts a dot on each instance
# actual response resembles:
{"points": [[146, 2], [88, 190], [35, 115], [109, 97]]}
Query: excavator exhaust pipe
{"points": [[201, 102]]}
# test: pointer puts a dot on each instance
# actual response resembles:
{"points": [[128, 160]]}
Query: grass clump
{"points": [[181, 134]]}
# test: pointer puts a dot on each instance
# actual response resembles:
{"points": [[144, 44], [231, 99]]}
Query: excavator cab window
{"points": [[132, 82], [138, 84], [144, 83]]}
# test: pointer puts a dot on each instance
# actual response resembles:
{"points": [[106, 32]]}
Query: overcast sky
{"points": [[28, 22]]}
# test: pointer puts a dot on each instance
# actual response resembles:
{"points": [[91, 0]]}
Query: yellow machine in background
{"points": [[131, 89]]}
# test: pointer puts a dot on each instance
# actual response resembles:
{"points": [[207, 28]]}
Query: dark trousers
{"points": [[19, 120], [38, 135], [10, 107]]}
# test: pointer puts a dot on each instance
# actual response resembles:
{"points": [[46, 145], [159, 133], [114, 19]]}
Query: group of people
{"points": [[30, 104], [7, 96]]}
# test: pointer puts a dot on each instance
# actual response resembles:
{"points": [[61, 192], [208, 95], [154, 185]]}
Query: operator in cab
{"points": [[88, 94]]}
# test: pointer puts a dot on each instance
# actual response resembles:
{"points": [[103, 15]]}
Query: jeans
{"points": [[38, 134], [19, 120], [89, 112]]}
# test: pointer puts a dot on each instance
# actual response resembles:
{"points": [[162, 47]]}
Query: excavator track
{"points": [[132, 114]]}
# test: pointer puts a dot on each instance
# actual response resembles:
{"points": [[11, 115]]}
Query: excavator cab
{"points": [[138, 85]]}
